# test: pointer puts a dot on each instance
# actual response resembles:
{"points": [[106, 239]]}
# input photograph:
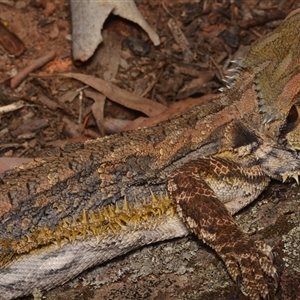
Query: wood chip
{"points": [[195, 86], [181, 40], [11, 42], [30, 126]]}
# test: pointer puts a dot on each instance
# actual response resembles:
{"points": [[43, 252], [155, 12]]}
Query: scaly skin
{"points": [[88, 203]]}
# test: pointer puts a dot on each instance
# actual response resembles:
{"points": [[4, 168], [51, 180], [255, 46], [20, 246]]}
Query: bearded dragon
{"points": [[90, 202]]}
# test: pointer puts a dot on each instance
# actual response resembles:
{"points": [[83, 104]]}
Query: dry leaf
{"points": [[97, 108], [7, 163], [88, 18], [174, 109], [118, 95]]}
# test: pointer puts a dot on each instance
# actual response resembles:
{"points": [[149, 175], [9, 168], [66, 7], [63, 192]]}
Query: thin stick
{"points": [[34, 65]]}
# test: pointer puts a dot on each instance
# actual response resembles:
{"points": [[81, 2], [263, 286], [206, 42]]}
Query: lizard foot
{"points": [[250, 260]]}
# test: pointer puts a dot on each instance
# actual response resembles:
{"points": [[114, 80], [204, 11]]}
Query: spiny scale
{"points": [[101, 223]]}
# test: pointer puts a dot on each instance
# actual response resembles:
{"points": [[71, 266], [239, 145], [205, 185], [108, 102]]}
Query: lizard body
{"points": [[90, 202]]}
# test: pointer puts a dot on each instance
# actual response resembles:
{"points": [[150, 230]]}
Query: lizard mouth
{"points": [[288, 176], [293, 164], [279, 163]]}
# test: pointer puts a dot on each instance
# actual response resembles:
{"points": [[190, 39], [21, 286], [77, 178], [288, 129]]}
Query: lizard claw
{"points": [[238, 281], [276, 281], [267, 297], [247, 262]]}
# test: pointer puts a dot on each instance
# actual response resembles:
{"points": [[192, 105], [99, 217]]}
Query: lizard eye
{"points": [[291, 121], [293, 116], [291, 129]]}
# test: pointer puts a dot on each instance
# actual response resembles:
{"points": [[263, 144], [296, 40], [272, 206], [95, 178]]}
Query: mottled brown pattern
{"points": [[210, 220]]}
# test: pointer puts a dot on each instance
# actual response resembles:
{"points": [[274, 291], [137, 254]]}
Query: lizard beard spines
{"points": [[112, 220]]}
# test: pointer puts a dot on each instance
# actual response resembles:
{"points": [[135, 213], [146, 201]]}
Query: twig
{"points": [[34, 65], [12, 107]]}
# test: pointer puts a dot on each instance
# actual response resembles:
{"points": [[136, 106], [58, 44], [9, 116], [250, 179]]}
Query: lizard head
{"points": [[280, 157], [274, 64]]}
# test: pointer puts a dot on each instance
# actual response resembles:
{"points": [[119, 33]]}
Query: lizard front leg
{"points": [[200, 188]]}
